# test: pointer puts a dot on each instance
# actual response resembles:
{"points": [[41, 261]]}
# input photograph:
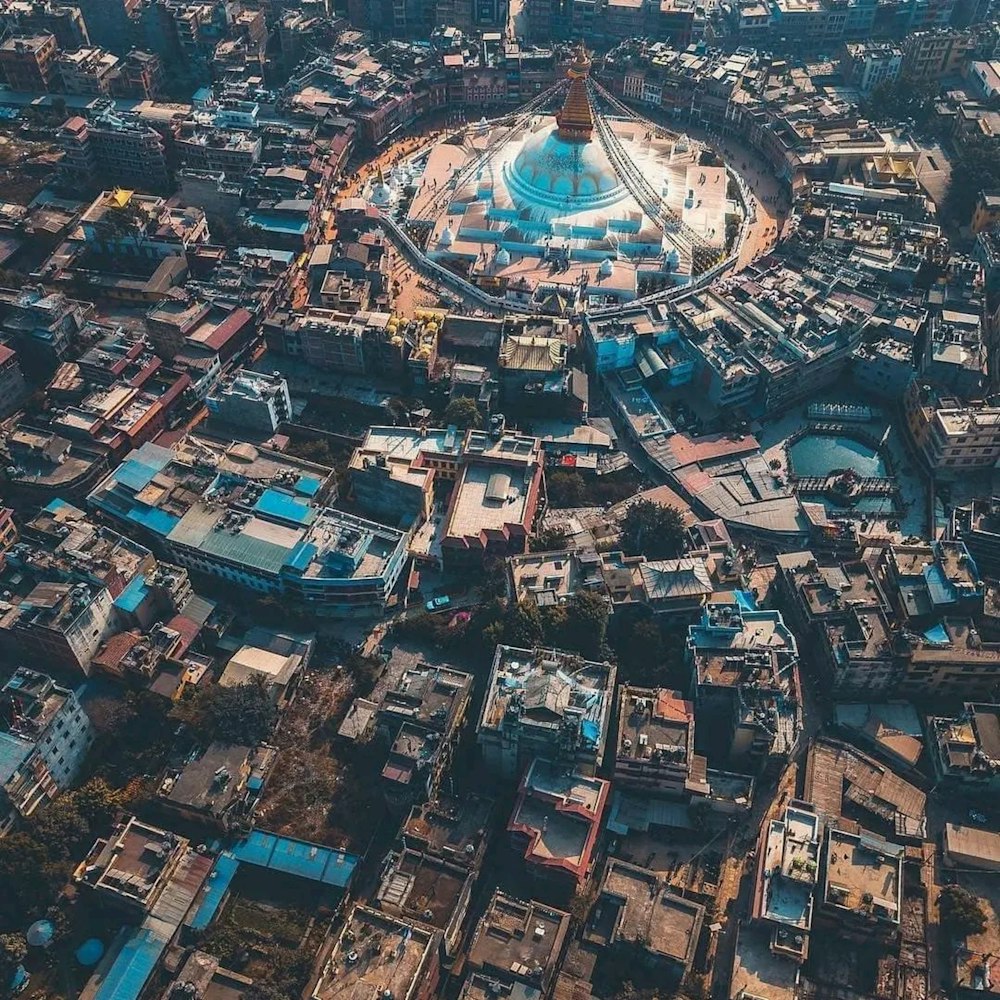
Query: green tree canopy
{"points": [[961, 912], [641, 653], [652, 530], [586, 625], [565, 489], [463, 413], [243, 714], [522, 625]]}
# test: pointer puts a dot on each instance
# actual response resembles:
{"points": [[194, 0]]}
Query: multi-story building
{"points": [[251, 399], [115, 148], [744, 675], [928, 582], [656, 743], [263, 525], [89, 71], [977, 526], [637, 909], [518, 942], [28, 62], [545, 703], [495, 500], [555, 822], [29, 17], [788, 863], [228, 151], [45, 735], [8, 533], [933, 53], [142, 74], [13, 389], [59, 623], [378, 953], [132, 868], [966, 749], [952, 437], [429, 891], [862, 884], [868, 64]]}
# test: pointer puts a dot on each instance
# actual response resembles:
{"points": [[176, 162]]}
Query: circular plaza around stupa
{"points": [[588, 203]]}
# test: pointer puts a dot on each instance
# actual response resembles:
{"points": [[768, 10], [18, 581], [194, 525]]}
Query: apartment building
{"points": [[45, 735], [28, 62]]}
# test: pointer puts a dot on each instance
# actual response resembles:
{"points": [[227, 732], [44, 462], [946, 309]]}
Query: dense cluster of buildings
{"points": [[245, 380]]}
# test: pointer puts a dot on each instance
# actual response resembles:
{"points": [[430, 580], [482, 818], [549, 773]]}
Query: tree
{"points": [[961, 912], [652, 530], [242, 714], [13, 948], [586, 625], [317, 451], [97, 802], [463, 413], [548, 540], [565, 489], [121, 223], [640, 651], [61, 828], [522, 625]]}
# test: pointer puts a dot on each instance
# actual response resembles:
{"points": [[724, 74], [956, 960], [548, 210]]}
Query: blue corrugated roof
{"points": [[132, 966], [54, 506], [133, 595], [216, 887], [155, 520], [297, 857], [285, 507], [135, 474], [308, 486], [301, 555]]}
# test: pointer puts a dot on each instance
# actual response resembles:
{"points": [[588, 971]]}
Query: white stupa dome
{"points": [[381, 193], [446, 238], [503, 257], [606, 269]]}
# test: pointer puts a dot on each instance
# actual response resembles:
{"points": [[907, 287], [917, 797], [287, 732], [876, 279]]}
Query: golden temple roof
{"points": [[576, 118]]}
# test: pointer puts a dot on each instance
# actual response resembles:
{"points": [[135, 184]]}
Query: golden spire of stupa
{"points": [[575, 118]]}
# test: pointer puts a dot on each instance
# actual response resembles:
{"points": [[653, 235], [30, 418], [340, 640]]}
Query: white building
{"points": [[253, 400], [872, 63], [44, 737]]}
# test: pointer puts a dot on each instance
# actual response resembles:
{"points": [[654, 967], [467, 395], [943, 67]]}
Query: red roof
{"points": [[233, 324], [5, 354], [188, 630], [115, 650]]}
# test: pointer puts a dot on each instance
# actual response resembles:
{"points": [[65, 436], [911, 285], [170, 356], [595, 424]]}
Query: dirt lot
{"points": [[317, 792]]}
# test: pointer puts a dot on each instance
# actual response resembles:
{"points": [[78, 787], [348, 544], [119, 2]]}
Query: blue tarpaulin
{"points": [[591, 732], [938, 634]]}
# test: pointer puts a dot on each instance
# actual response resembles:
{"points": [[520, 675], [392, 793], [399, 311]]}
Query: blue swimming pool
{"points": [[819, 455]]}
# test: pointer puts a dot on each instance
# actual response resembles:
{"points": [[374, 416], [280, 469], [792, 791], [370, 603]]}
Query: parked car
{"points": [[437, 603]]}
